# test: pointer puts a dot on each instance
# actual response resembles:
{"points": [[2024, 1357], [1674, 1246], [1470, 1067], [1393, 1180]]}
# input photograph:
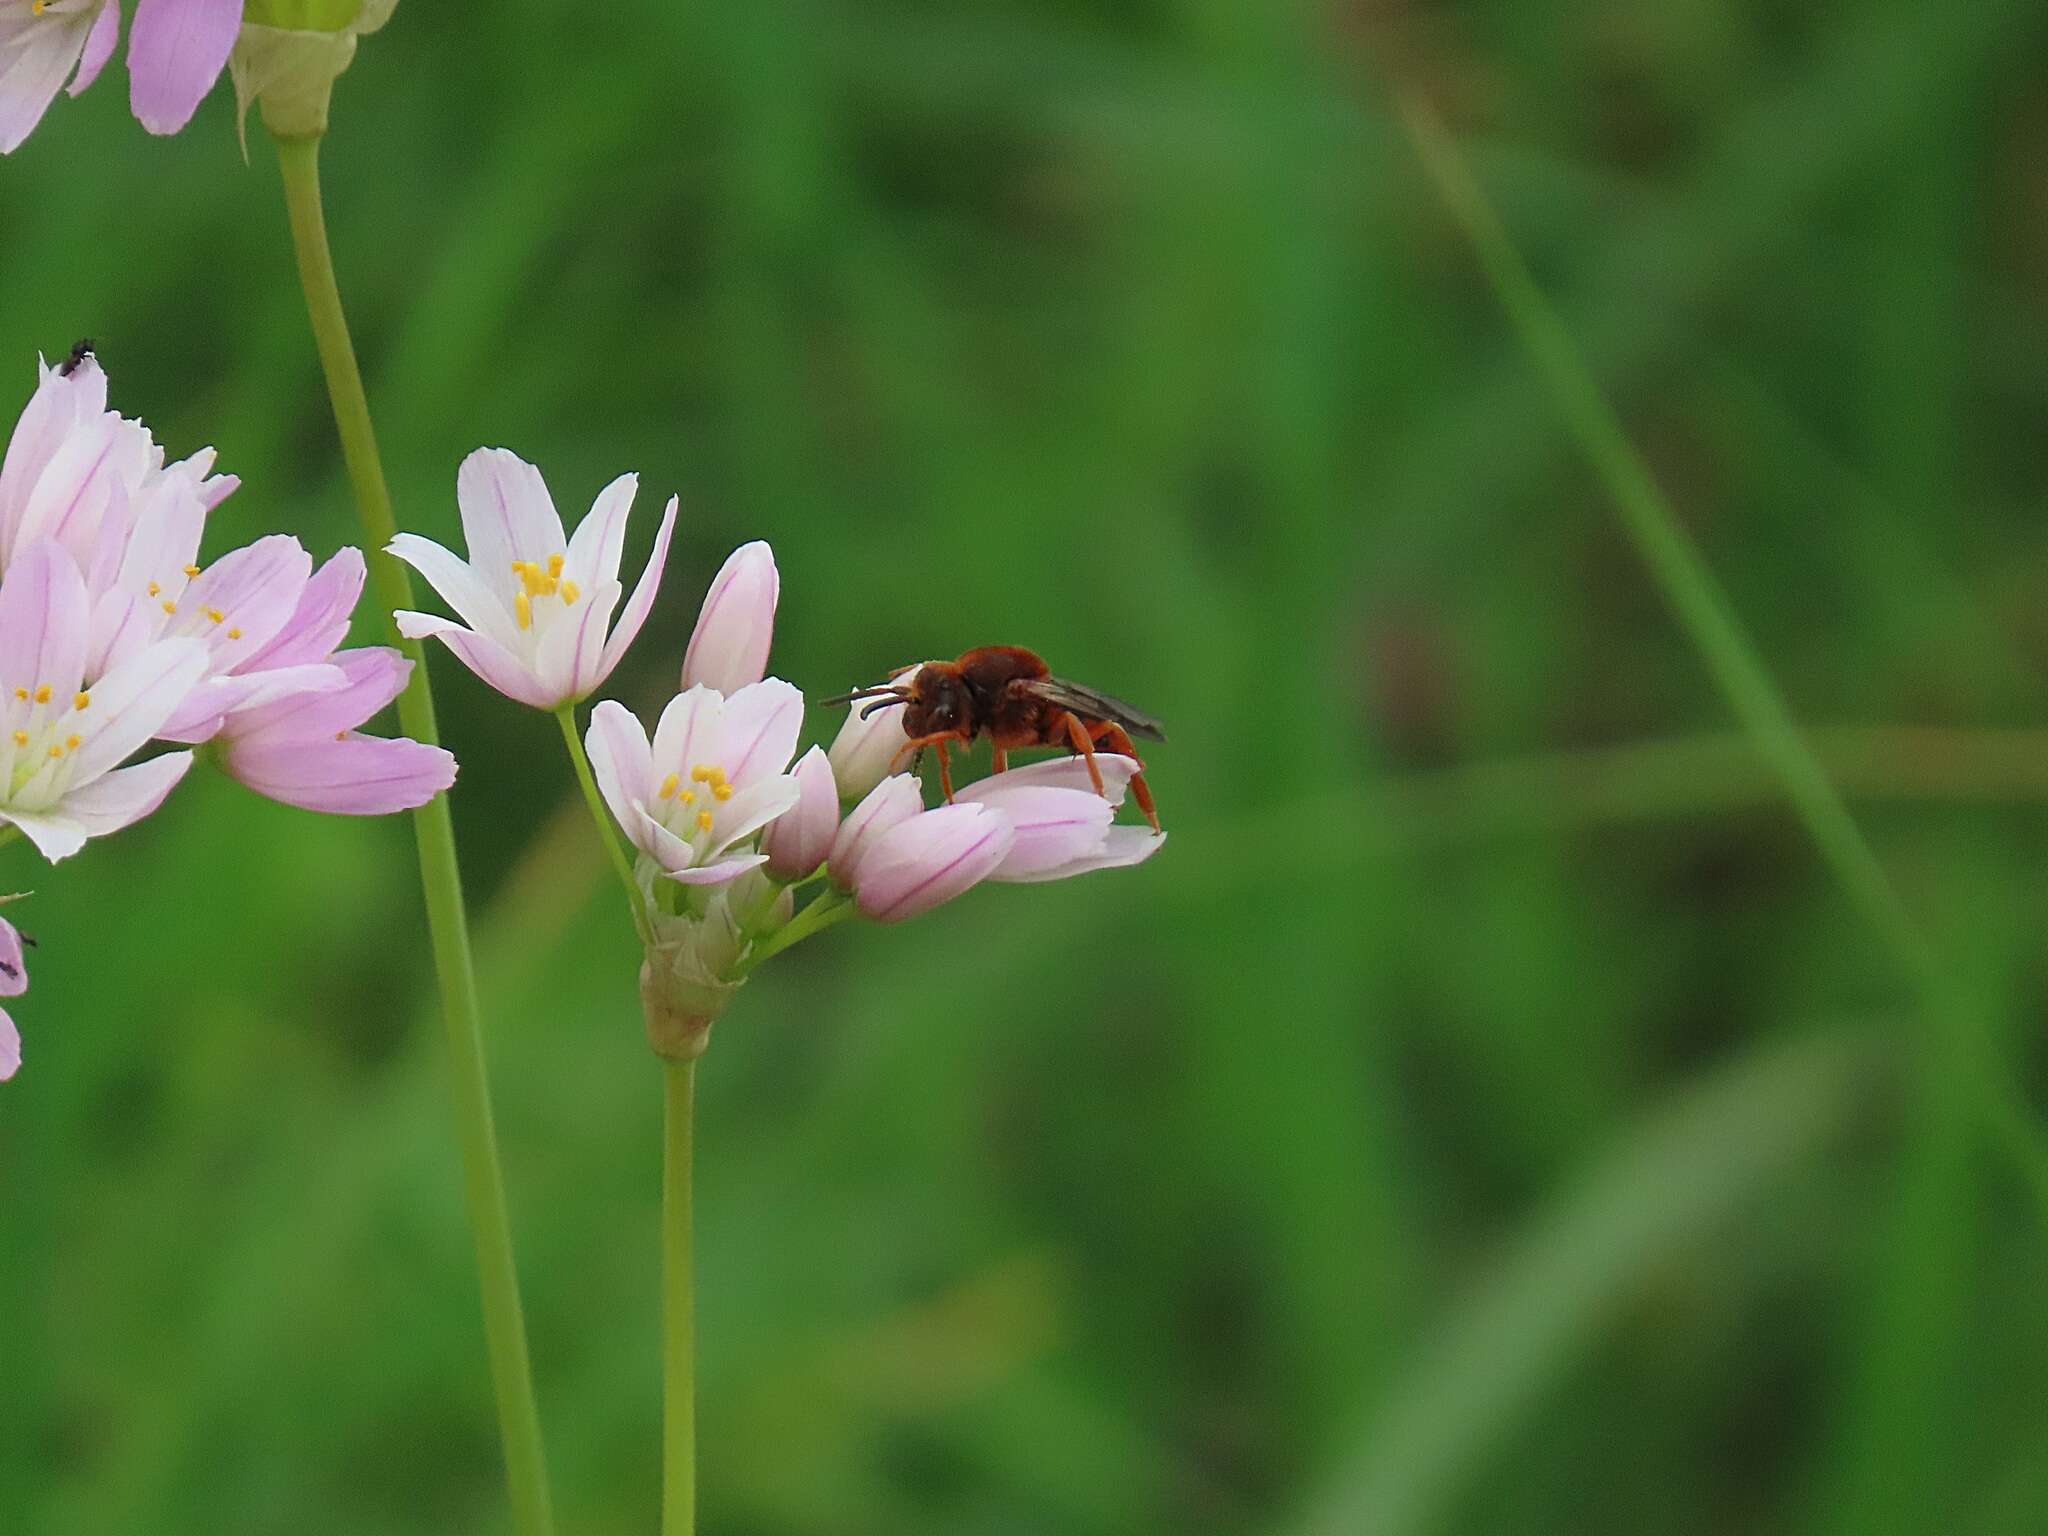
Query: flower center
{"points": [[39, 737], [538, 581], [690, 810]]}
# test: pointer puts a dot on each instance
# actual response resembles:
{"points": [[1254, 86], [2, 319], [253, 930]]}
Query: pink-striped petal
{"points": [[132, 702], [798, 841], [758, 730], [930, 859], [599, 542], [122, 798], [729, 647], [45, 621], [13, 964], [507, 514], [320, 621], [176, 50], [889, 804], [642, 600], [461, 585], [621, 762], [55, 835], [354, 776], [99, 46], [486, 658], [10, 1047], [688, 731], [1120, 848], [568, 659], [364, 681]]}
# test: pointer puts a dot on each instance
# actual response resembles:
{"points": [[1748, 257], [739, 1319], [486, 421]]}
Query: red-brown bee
{"points": [[1008, 694]]}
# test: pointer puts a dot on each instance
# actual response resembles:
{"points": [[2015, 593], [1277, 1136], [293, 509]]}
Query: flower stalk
{"points": [[440, 874], [678, 1306]]}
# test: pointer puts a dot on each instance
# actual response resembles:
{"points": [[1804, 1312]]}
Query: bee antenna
{"points": [[885, 703], [874, 691]]}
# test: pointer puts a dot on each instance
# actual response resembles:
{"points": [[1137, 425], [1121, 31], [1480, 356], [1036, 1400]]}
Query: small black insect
{"points": [[81, 349]]}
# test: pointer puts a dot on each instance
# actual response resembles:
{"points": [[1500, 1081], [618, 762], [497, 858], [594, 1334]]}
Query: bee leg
{"points": [[914, 750], [1118, 740], [1077, 734], [945, 773]]}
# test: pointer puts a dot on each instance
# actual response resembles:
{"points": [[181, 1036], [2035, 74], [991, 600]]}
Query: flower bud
{"points": [[864, 752], [288, 55], [729, 648], [890, 803], [930, 859], [798, 840]]}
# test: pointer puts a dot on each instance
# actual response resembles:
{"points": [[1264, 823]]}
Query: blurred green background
{"points": [[1487, 1115]]}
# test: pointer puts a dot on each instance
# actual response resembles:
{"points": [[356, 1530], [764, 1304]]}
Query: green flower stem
{"points": [[621, 865], [1710, 622], [440, 875], [678, 1308], [829, 908]]}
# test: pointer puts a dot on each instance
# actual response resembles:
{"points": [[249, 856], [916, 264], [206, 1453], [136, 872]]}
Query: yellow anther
{"points": [[235, 633], [518, 567], [668, 786], [80, 700], [215, 614], [169, 606], [72, 742], [554, 565], [701, 774], [191, 570], [37, 7], [154, 589], [43, 694], [721, 791], [56, 751], [522, 610], [570, 591], [21, 693], [341, 735], [688, 797], [703, 821], [21, 738]]}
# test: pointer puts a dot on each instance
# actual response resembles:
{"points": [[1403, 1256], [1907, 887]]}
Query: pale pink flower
{"points": [[1063, 826], [713, 777], [889, 804], [869, 745], [304, 749], [798, 840], [61, 743], [729, 647], [42, 43], [930, 859], [536, 607], [13, 982]]}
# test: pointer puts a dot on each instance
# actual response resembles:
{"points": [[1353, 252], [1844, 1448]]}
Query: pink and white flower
{"points": [[13, 982], [799, 840], [888, 805], [729, 647], [44, 43], [535, 606], [715, 774], [930, 859], [869, 745], [1063, 826], [61, 743]]}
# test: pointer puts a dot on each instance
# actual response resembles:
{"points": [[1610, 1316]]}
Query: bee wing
{"points": [[1088, 702]]}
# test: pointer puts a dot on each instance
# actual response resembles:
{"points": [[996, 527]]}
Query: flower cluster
{"points": [[112, 636]]}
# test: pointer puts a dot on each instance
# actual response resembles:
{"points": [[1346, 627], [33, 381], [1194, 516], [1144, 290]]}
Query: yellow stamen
{"points": [[570, 591], [21, 738], [154, 589], [722, 791], [215, 614], [522, 610], [80, 700], [37, 7], [341, 735], [554, 565], [235, 633], [668, 786], [43, 694], [169, 606], [21, 693], [72, 742], [688, 797], [701, 774], [191, 570], [56, 751], [703, 821]]}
